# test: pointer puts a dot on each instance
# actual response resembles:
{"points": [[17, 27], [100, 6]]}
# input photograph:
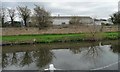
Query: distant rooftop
{"points": [[71, 16]]}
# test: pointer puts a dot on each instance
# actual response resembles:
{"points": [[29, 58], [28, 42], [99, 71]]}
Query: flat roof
{"points": [[70, 17]]}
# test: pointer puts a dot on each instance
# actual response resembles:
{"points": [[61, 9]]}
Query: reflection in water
{"points": [[43, 56], [115, 48], [93, 53], [14, 59], [0, 58], [4, 60], [75, 50], [27, 59]]}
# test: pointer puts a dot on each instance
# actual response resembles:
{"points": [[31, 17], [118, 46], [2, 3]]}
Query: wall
{"points": [[59, 21], [83, 20], [86, 20], [55, 29]]}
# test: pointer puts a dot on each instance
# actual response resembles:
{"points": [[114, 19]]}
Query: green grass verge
{"points": [[46, 38]]}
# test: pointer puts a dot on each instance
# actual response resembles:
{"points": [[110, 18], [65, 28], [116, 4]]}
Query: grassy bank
{"points": [[48, 38]]}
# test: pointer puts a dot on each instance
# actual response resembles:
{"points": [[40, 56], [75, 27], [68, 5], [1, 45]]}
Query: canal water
{"points": [[64, 56]]}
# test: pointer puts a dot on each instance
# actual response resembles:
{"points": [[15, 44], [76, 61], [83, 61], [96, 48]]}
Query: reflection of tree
{"points": [[14, 59], [27, 59], [75, 50], [115, 48], [93, 53], [4, 60], [43, 57]]}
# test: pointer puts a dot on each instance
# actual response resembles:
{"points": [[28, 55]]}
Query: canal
{"points": [[65, 56]]}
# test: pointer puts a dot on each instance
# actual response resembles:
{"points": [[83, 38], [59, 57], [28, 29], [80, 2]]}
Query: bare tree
{"points": [[33, 21], [94, 32], [24, 13], [74, 20], [2, 15], [42, 17], [11, 13]]}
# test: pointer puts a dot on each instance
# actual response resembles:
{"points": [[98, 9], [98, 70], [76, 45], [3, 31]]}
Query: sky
{"points": [[119, 6], [93, 8]]}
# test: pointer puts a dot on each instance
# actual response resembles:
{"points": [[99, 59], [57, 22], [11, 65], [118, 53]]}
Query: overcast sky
{"points": [[93, 8]]}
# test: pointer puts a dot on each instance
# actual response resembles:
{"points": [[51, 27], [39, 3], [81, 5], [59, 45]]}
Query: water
{"points": [[0, 58], [65, 56]]}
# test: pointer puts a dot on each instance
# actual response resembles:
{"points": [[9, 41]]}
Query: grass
{"points": [[112, 35], [48, 38]]}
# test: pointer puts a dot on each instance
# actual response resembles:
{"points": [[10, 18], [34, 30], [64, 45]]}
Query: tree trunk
{"points": [[39, 24], [25, 22], [2, 21], [12, 22]]}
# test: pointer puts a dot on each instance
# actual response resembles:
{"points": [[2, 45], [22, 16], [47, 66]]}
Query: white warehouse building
{"points": [[58, 20]]}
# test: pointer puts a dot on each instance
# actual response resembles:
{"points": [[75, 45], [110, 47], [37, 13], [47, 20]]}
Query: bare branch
{"points": [[24, 13], [2, 15], [11, 13], [42, 16]]}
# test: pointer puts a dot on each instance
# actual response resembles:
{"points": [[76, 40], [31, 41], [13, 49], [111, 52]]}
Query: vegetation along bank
{"points": [[51, 38]]}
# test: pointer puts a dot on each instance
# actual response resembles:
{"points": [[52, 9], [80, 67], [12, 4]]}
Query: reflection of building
{"points": [[119, 6], [57, 20]]}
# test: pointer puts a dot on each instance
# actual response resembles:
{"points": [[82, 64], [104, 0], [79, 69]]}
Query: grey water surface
{"points": [[65, 56]]}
